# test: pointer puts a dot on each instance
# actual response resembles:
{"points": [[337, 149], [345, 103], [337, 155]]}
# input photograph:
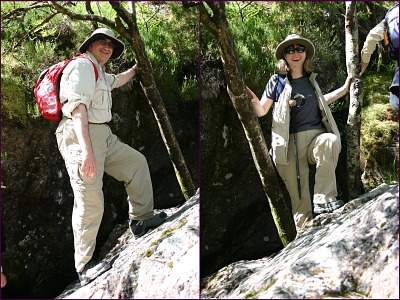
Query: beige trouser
{"points": [[116, 159], [314, 147]]}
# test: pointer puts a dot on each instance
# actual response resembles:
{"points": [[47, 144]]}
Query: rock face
{"points": [[38, 200], [236, 222], [163, 264], [351, 253]]}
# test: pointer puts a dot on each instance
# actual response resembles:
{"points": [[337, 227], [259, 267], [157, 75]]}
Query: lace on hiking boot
{"points": [[140, 228]]}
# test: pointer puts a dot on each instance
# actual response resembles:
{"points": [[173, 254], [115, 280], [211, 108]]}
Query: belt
{"points": [[106, 123]]}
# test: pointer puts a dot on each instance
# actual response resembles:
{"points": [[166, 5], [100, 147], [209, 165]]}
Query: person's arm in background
{"points": [[374, 36]]}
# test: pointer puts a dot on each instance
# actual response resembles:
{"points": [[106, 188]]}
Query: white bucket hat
{"points": [[103, 33], [294, 39]]}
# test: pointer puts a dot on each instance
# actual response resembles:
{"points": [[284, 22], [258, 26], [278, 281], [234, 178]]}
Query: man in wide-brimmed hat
{"points": [[89, 149], [103, 33]]}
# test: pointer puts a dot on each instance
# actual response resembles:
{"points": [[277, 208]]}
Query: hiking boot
{"points": [[139, 228], [92, 270], [327, 207]]}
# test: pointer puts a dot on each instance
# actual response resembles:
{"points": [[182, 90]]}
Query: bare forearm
{"points": [[262, 107], [81, 125], [340, 92], [124, 77], [336, 94], [258, 108]]}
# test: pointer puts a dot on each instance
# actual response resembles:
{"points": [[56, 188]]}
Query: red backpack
{"points": [[47, 89]]}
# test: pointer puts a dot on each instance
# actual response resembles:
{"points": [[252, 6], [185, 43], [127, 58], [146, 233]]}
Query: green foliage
{"points": [[376, 87], [28, 49], [378, 126], [29, 45], [170, 34], [189, 89], [254, 47], [258, 27], [379, 133], [13, 104]]}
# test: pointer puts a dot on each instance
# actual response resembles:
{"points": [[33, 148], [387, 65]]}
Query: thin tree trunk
{"points": [[354, 184], [153, 95], [218, 25]]}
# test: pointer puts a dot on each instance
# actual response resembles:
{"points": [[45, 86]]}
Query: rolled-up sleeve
{"points": [[77, 85], [374, 36]]}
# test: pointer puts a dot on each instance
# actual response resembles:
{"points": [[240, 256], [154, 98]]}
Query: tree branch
{"points": [[87, 17], [30, 31], [19, 10], [123, 13], [188, 4], [91, 12], [207, 19]]}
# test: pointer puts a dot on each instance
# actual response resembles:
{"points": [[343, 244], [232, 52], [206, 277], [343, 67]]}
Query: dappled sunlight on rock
{"points": [[355, 255], [163, 264]]}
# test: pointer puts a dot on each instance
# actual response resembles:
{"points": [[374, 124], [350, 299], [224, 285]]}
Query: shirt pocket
{"points": [[102, 96]]}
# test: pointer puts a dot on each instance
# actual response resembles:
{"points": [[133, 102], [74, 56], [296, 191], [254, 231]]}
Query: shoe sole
{"points": [[94, 276]]}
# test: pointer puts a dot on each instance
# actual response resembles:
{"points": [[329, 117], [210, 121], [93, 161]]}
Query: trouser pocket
{"points": [[76, 176]]}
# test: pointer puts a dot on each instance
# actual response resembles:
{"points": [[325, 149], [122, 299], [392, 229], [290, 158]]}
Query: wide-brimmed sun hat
{"points": [[294, 39], [103, 33]]}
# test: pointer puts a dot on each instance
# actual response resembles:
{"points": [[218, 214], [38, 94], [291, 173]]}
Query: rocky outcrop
{"points": [[351, 253], [38, 200], [236, 221], [163, 264]]}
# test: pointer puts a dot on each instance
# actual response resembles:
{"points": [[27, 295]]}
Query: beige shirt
{"points": [[375, 35], [78, 85]]}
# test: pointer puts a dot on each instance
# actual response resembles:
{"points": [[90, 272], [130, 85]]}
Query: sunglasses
{"points": [[291, 49], [104, 42]]}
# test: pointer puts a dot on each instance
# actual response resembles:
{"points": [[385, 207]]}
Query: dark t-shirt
{"points": [[305, 117]]}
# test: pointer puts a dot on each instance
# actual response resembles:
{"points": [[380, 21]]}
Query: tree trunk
{"points": [[219, 27], [354, 184], [153, 95], [130, 32]]}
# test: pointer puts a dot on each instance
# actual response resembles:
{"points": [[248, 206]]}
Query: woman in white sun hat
{"points": [[303, 129]]}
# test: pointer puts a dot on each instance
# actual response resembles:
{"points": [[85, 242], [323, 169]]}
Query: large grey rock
{"points": [[352, 253], [38, 199], [163, 264]]}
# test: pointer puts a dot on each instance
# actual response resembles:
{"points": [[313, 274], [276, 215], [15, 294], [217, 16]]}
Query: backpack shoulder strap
{"points": [[96, 72], [279, 86]]}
